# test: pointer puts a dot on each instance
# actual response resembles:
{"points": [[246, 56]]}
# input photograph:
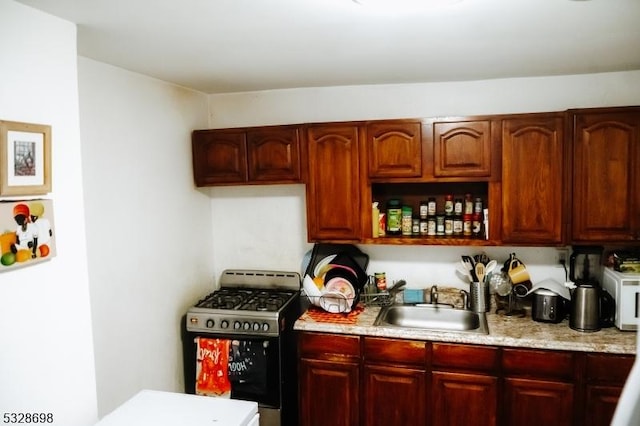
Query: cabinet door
{"points": [[329, 393], [606, 196], [274, 154], [394, 396], [394, 149], [536, 402], [219, 156], [333, 190], [602, 402], [464, 399], [532, 179], [462, 149]]}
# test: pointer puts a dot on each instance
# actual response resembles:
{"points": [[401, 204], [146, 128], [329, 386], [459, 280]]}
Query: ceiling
{"points": [[226, 46]]}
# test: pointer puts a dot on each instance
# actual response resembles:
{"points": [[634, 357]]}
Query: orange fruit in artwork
{"points": [[6, 240], [44, 250], [23, 255]]}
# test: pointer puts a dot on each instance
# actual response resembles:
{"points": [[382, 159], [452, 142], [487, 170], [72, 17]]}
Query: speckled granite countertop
{"points": [[503, 331]]}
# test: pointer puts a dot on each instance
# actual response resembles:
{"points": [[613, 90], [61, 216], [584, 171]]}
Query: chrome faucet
{"points": [[434, 295]]}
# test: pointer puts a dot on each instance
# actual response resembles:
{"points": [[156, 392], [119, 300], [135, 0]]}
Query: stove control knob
{"points": [[256, 326], [237, 325], [246, 326], [265, 326], [210, 323], [224, 324]]}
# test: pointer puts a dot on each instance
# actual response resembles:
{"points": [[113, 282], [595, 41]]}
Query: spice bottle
{"points": [[448, 204], [440, 225], [415, 226], [457, 206], [468, 204], [394, 217], [407, 221], [432, 207], [424, 209]]}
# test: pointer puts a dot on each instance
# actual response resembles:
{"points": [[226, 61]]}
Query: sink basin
{"points": [[432, 317]]}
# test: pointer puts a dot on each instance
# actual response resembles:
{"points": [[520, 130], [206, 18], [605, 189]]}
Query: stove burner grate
{"points": [[246, 299]]}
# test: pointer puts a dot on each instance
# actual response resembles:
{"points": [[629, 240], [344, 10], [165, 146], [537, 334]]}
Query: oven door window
{"points": [[253, 367]]}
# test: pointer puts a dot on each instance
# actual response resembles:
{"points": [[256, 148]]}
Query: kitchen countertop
{"points": [[504, 330]]}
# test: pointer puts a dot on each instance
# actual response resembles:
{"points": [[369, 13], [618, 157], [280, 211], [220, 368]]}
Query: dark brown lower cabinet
{"points": [[536, 402], [463, 399], [329, 374], [394, 396], [606, 375], [371, 381], [331, 393], [602, 402]]}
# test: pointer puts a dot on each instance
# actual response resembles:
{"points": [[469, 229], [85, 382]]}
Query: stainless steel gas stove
{"points": [[254, 310], [248, 302]]}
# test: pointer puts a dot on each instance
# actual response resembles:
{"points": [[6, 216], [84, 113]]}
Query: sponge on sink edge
{"points": [[413, 296]]}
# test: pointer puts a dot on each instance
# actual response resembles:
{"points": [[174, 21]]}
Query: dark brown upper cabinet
{"points": [[394, 149], [533, 167], [333, 187], [606, 175], [239, 156], [462, 149]]}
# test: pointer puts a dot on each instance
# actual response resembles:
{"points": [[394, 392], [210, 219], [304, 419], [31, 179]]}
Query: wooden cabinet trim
{"points": [[392, 351], [465, 357], [539, 363]]}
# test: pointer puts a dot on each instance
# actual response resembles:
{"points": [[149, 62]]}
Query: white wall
{"points": [[46, 354], [421, 266], [148, 228]]}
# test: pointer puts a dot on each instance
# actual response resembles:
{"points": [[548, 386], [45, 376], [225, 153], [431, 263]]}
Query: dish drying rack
{"points": [[382, 298]]}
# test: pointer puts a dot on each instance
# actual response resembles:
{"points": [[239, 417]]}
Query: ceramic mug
{"points": [[518, 272]]}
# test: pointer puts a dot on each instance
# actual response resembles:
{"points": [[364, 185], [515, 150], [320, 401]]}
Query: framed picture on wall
{"points": [[25, 158]]}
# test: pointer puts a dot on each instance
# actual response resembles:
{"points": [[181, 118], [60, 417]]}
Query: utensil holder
{"points": [[480, 300]]}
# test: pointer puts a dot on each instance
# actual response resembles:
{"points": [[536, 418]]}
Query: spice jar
{"points": [[457, 206], [432, 207], [394, 217], [467, 225], [440, 225], [448, 204], [468, 204], [407, 221], [424, 209]]}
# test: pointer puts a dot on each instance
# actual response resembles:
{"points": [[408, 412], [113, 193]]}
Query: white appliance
{"points": [[625, 289], [156, 408], [628, 410]]}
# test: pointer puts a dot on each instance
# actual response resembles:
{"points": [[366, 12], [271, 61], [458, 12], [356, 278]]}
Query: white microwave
{"points": [[625, 289]]}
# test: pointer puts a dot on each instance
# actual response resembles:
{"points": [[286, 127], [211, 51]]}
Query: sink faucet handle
{"points": [[465, 299], [434, 295]]}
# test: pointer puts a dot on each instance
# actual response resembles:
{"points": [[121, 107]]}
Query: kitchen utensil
{"points": [[470, 265], [490, 267], [591, 308], [463, 271], [480, 272]]}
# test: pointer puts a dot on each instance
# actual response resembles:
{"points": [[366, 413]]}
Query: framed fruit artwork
{"points": [[27, 234]]}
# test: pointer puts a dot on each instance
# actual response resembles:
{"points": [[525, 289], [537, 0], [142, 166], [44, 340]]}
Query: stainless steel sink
{"points": [[432, 317]]}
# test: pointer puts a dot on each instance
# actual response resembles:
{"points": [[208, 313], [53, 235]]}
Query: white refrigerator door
{"points": [[628, 409], [155, 408]]}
